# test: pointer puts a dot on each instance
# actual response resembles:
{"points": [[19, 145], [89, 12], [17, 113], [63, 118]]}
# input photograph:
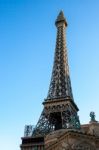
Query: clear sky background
{"points": [[27, 43]]}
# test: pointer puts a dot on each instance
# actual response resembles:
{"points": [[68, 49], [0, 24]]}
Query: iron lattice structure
{"points": [[60, 110]]}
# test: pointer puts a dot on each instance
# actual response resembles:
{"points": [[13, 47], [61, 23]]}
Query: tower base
{"points": [[87, 138]]}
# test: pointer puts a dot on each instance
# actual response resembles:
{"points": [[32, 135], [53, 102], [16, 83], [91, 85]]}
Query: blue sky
{"points": [[27, 43]]}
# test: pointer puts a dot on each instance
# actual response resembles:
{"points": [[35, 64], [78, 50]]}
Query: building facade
{"points": [[58, 127]]}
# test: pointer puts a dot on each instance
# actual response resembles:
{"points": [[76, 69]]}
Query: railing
{"points": [[28, 130]]}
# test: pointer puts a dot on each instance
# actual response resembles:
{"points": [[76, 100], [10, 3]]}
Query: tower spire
{"points": [[60, 85], [61, 18]]}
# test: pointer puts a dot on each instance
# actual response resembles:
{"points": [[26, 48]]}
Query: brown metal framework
{"points": [[60, 110]]}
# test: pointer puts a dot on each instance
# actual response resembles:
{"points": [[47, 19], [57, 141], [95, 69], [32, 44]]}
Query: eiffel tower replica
{"points": [[60, 110]]}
